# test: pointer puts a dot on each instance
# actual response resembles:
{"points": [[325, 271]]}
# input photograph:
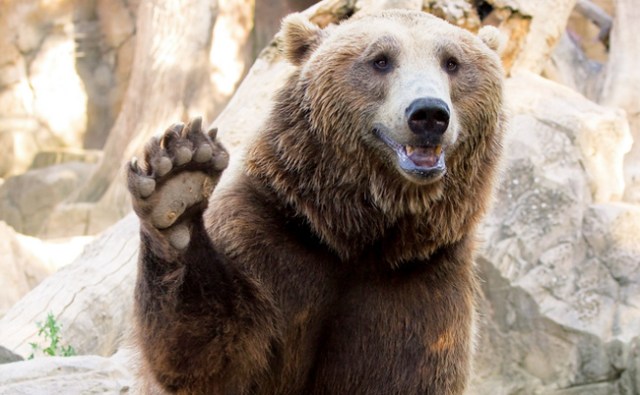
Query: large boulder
{"points": [[26, 261], [27, 200], [90, 298], [6, 356], [523, 351], [599, 136], [562, 153], [21, 270], [559, 270]]}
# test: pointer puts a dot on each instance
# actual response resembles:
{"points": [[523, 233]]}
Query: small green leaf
{"points": [[50, 330]]}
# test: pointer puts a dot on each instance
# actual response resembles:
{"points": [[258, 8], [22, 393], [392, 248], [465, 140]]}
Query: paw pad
{"points": [[179, 172]]}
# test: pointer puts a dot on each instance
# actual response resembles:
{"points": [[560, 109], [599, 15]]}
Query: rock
{"points": [[67, 220], [21, 269], [570, 66], [560, 261], [462, 13], [7, 356], [48, 158], [26, 261], [54, 253], [601, 134], [522, 351], [90, 298], [612, 233], [27, 200], [66, 375], [377, 5], [535, 234], [543, 32], [630, 378], [117, 21], [267, 17], [256, 93]]}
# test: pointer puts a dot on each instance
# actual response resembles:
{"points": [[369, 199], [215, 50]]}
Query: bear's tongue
{"points": [[424, 156]]}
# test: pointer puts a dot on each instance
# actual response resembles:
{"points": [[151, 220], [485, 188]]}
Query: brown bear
{"points": [[340, 259]]}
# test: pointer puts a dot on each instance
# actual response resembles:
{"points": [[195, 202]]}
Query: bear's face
{"points": [[407, 86]]}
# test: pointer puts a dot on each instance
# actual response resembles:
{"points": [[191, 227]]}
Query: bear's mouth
{"points": [[426, 161]]}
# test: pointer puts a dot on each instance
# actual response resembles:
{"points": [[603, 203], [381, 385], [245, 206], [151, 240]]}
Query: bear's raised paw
{"points": [[173, 184]]}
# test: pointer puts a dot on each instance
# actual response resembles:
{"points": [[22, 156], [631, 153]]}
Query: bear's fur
{"points": [[340, 261]]}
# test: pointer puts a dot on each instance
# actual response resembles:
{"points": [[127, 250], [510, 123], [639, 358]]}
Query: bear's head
{"points": [[410, 86], [391, 121]]}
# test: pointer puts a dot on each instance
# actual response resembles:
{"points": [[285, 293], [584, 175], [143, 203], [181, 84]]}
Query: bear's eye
{"points": [[451, 65], [381, 63]]}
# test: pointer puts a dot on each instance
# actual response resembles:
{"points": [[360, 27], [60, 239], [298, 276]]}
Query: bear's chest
{"points": [[377, 335]]}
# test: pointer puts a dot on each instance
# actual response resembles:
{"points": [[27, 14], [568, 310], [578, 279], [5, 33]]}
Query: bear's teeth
{"points": [[409, 149]]}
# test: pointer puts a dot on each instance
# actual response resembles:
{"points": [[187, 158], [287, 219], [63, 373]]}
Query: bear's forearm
{"points": [[192, 281], [199, 318]]}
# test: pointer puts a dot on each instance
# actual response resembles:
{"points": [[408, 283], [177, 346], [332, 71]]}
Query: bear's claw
{"points": [[178, 175]]}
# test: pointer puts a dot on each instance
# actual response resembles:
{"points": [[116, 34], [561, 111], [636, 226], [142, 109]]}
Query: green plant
{"points": [[50, 329]]}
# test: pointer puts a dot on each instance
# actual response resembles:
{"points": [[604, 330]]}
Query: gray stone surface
{"points": [[27, 200], [597, 136], [86, 374], [576, 258], [561, 273], [522, 351], [21, 269], [6, 356]]}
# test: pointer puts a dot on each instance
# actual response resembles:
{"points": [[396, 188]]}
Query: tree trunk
{"points": [[269, 14], [104, 32], [622, 84]]}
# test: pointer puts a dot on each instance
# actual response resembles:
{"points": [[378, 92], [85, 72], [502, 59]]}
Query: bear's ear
{"points": [[300, 38], [491, 36]]}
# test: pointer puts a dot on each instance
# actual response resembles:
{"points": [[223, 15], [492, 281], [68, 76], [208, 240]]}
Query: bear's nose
{"points": [[428, 115]]}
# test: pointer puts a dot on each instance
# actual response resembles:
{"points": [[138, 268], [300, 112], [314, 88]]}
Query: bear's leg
{"points": [[197, 316]]}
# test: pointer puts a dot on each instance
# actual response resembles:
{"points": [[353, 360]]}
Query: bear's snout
{"points": [[428, 115]]}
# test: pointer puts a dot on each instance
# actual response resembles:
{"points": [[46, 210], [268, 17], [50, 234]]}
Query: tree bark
{"points": [[104, 32], [269, 14]]}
